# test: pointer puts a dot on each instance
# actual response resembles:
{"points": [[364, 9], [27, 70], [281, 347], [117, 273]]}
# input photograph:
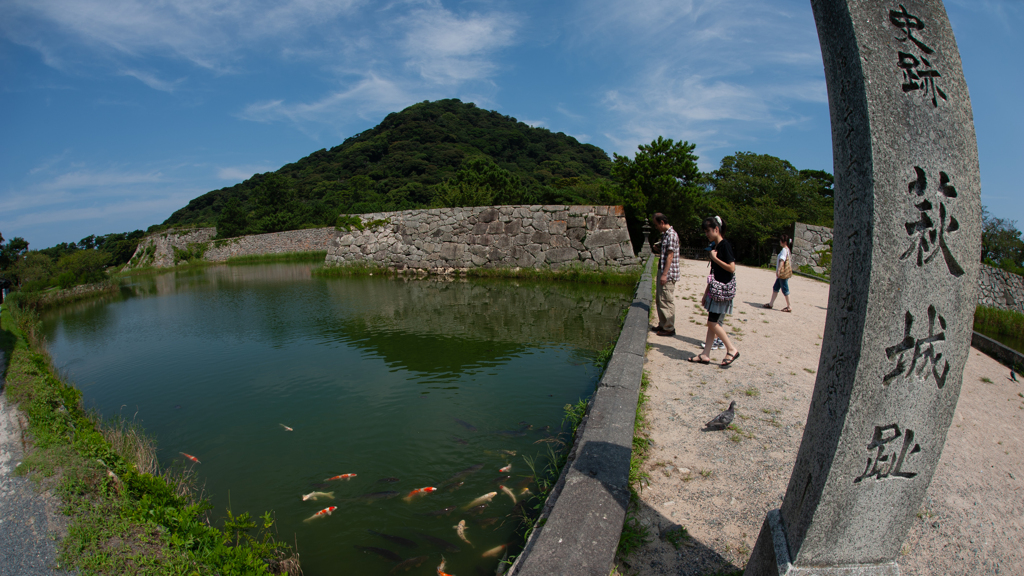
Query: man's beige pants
{"points": [[666, 302]]}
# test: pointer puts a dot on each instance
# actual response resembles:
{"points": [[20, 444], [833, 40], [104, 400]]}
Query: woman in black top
{"points": [[723, 267]]}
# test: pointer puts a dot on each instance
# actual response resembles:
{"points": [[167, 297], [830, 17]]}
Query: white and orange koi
{"points": [[340, 477], [460, 529], [315, 495], [505, 469], [509, 493], [525, 492], [481, 500], [325, 512], [493, 552], [420, 492], [190, 457], [440, 568], [287, 428]]}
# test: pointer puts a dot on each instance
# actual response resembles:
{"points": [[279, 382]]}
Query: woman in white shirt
{"points": [[781, 283]]}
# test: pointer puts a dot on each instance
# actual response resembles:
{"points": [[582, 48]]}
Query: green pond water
{"points": [[404, 383]]}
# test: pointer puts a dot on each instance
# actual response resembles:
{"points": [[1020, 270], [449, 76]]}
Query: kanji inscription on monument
{"points": [[901, 303]]}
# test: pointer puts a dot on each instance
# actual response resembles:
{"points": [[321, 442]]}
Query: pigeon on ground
{"points": [[722, 421], [1012, 375]]}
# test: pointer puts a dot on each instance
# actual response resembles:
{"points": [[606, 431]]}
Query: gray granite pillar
{"points": [[904, 282]]}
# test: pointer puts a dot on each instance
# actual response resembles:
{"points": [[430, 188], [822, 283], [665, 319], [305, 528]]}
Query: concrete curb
{"points": [[1000, 352], [579, 527]]}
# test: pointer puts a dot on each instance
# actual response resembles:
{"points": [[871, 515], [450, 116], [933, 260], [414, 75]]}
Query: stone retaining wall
{"points": [[808, 243], [579, 527], [442, 240], [1000, 289], [438, 240]]}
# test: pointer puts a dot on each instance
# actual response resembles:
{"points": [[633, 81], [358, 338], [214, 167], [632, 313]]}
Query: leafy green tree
{"points": [[12, 251], [760, 197], [1001, 244], [481, 182], [661, 177], [35, 270], [82, 267], [233, 220]]}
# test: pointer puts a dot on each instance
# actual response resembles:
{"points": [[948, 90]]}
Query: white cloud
{"points": [[369, 95], [152, 81], [240, 173], [85, 179], [447, 49]]}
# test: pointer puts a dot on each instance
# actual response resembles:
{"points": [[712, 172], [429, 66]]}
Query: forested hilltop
{"points": [[443, 153]]}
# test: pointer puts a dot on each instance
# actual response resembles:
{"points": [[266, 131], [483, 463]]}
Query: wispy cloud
{"points": [[152, 80], [448, 49], [240, 173]]}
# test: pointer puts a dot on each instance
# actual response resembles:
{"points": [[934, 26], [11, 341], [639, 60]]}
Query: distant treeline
{"points": [[66, 264]]}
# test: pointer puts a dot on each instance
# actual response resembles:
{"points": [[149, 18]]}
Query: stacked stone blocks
{"points": [[444, 240], [808, 244]]}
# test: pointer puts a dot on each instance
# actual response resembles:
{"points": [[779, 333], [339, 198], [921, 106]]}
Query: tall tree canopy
{"points": [[1001, 244], [661, 177]]}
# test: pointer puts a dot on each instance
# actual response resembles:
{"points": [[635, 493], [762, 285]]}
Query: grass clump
{"points": [[297, 257], [348, 269], [576, 274], [126, 516]]}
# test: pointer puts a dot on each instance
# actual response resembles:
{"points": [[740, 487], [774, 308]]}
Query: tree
{"points": [[760, 197], [233, 220], [12, 251], [1001, 244], [661, 177]]}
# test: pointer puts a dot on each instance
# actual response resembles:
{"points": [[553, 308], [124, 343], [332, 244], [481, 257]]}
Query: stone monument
{"points": [[904, 288]]}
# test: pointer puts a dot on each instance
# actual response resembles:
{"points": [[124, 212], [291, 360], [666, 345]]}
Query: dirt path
{"points": [[720, 485], [29, 520]]}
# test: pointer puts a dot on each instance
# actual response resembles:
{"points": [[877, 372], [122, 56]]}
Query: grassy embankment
{"points": [[126, 515], [287, 257], [576, 274], [1006, 326]]}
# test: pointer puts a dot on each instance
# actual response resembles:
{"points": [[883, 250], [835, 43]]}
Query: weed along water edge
{"points": [[382, 420]]}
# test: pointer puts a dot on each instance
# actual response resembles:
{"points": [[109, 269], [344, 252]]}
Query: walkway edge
{"points": [[997, 350], [578, 530]]}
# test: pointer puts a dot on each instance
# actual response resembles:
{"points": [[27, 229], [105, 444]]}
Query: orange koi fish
{"points": [[340, 477], [190, 457], [505, 469], [325, 512], [493, 552], [440, 568], [420, 492]]}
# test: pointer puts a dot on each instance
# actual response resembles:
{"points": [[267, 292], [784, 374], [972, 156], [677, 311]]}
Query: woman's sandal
{"points": [[787, 309], [768, 306], [730, 358], [698, 360]]}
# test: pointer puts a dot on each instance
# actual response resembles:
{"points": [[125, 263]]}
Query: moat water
{"points": [[404, 383]]}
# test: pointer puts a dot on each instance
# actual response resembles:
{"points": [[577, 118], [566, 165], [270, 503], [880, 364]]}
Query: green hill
{"points": [[442, 153]]}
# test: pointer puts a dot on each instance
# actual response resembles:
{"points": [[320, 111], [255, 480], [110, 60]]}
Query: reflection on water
{"points": [[411, 380]]}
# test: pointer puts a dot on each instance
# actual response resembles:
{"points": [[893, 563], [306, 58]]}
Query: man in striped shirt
{"points": [[668, 275]]}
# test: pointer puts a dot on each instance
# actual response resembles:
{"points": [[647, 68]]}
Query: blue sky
{"points": [[114, 113]]}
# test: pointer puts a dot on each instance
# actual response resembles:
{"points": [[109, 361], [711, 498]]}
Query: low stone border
{"points": [[578, 529], [1004, 354]]}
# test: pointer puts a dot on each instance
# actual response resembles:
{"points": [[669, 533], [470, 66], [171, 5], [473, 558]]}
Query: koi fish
{"points": [[482, 500], [440, 543], [396, 539], [287, 428], [441, 512], [409, 564], [420, 492], [387, 480], [525, 482], [341, 477], [525, 492], [493, 552], [382, 552], [466, 425], [440, 568], [501, 479], [505, 469], [190, 457], [453, 486], [460, 529], [485, 522], [379, 495], [314, 495], [478, 509], [465, 472], [325, 512], [509, 493], [507, 452]]}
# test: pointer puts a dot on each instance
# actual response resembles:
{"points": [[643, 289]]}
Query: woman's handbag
{"points": [[786, 272], [721, 291]]}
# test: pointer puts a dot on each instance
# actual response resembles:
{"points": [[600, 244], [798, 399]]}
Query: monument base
{"points": [[772, 559]]}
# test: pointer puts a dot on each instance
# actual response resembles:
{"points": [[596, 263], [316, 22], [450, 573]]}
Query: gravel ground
{"points": [[720, 485], [30, 523]]}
